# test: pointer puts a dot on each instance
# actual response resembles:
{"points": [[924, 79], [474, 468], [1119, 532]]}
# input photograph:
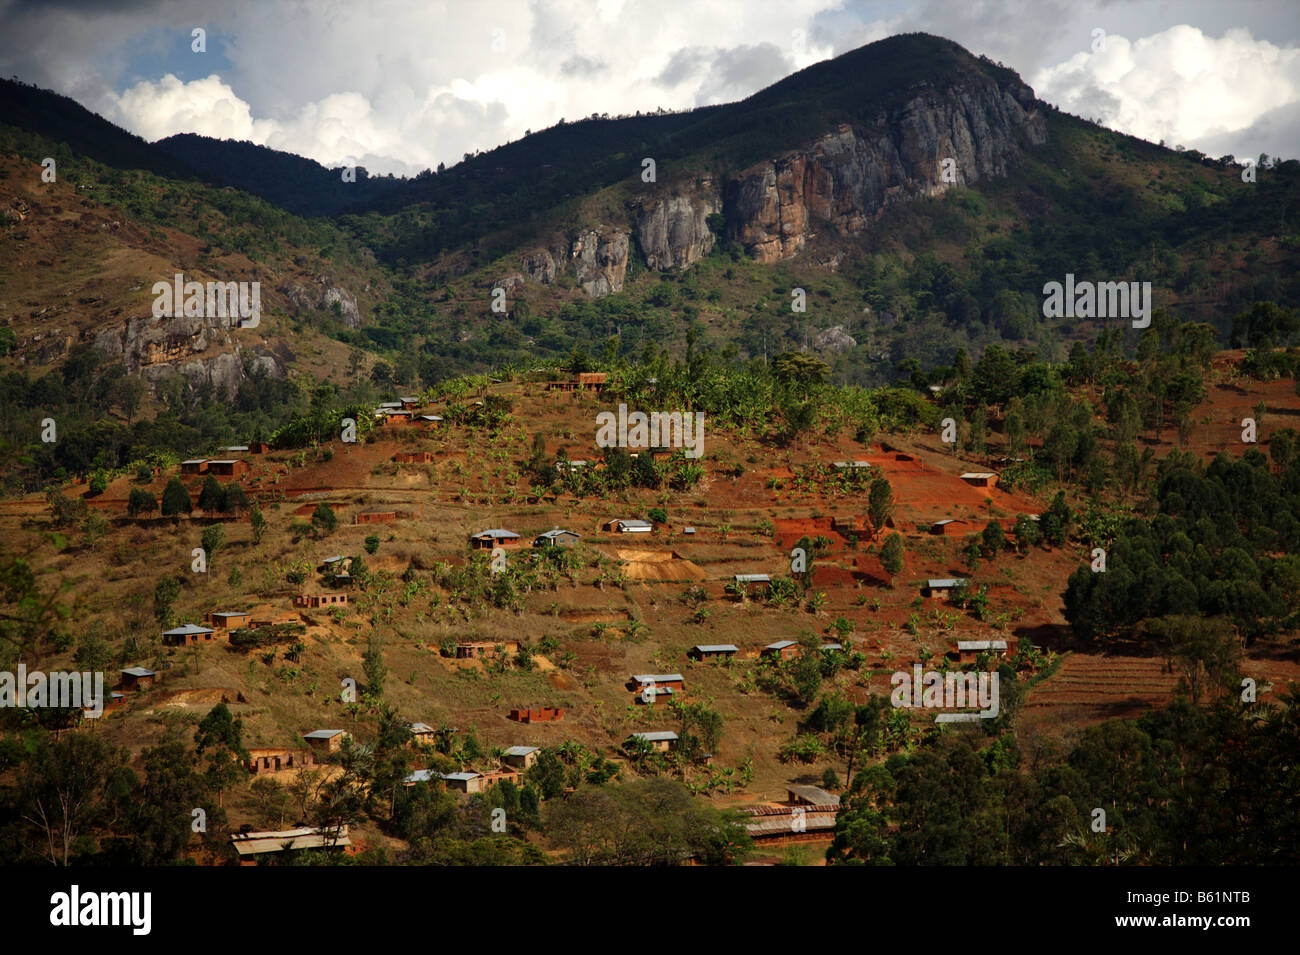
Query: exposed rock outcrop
{"points": [[672, 231], [326, 296], [847, 177], [835, 339], [600, 261]]}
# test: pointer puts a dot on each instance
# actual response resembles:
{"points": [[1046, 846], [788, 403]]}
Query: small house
{"points": [[421, 733], [413, 457], [235, 449], [622, 526], [651, 694], [228, 467], [409, 403], [228, 619], [325, 741], [752, 583], [556, 537], [314, 601], [485, 649], [949, 527], [493, 538], [711, 651], [186, 635], [781, 650], [194, 466], [464, 782], [521, 757], [968, 651], [138, 678], [940, 588], [543, 714], [274, 759], [661, 741], [427, 420], [641, 681], [980, 478]]}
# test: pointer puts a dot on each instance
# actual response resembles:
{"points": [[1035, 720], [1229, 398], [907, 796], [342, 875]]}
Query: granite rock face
{"points": [[600, 261], [841, 182], [673, 232]]}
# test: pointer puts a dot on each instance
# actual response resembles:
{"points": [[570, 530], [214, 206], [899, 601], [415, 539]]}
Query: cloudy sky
{"points": [[401, 85]]}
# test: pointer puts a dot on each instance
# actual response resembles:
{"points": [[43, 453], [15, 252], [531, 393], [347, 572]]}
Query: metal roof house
{"points": [[556, 537], [943, 586], [521, 757], [702, 650], [635, 526], [662, 740], [327, 741], [780, 650], [138, 678], [186, 635], [494, 537]]}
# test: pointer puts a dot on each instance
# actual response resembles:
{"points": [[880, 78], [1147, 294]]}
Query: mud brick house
{"points": [[227, 620], [968, 651], [194, 466], [781, 650], [846, 524], [325, 741], [485, 649], [186, 636], [495, 537], [250, 845], [520, 757], [409, 403], [752, 583], [544, 714], [466, 782], [272, 759], [640, 681], [712, 651], [662, 741], [313, 601], [622, 526], [949, 527], [394, 417], [937, 589], [377, 515], [228, 467], [980, 478], [428, 420], [420, 733], [413, 457], [495, 776], [556, 537], [582, 381], [138, 678]]}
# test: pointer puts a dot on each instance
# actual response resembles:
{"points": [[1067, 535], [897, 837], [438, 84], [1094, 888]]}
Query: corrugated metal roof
{"points": [[188, 629], [815, 795], [657, 677], [946, 583], [254, 843], [519, 751], [753, 579], [981, 644], [139, 671], [779, 645], [321, 734], [717, 648], [496, 533], [657, 736]]}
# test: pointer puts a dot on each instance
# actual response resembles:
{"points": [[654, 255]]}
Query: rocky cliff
{"points": [[846, 178]]}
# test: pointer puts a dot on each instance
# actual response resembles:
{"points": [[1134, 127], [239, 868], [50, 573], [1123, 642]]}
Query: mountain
{"points": [[905, 202], [66, 121], [302, 186]]}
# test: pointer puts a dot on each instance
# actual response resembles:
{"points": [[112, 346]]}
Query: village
{"points": [[656, 560]]}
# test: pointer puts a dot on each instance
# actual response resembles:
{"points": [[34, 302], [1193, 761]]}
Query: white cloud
{"points": [[1179, 86]]}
